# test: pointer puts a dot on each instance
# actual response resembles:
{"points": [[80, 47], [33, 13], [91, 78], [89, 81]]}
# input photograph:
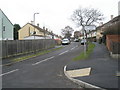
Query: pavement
{"points": [[98, 71]]}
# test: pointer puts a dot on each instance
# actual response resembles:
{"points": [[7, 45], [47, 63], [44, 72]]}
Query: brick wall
{"points": [[113, 43]]}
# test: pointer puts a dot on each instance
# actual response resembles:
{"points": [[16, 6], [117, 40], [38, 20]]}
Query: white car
{"points": [[76, 40], [83, 41], [65, 41]]}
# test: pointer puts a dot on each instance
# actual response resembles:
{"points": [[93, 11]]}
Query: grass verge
{"points": [[34, 55], [83, 55]]}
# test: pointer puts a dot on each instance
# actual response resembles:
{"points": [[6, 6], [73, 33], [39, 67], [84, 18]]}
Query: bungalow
{"points": [[6, 27]]}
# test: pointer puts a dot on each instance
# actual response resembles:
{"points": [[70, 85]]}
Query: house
{"points": [[90, 32], [92, 35], [30, 31], [109, 33], [77, 34], [99, 33], [111, 27], [6, 27]]}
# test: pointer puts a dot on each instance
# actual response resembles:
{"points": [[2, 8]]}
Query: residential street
{"points": [[44, 71], [60, 44]]}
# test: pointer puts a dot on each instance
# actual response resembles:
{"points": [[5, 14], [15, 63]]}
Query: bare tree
{"points": [[86, 17], [67, 32]]}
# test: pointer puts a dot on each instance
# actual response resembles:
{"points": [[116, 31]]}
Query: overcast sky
{"points": [[53, 14]]}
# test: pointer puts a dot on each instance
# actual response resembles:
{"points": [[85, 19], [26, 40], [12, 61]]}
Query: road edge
{"points": [[9, 64], [79, 82]]}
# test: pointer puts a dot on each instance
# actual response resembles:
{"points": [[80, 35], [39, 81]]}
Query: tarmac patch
{"points": [[79, 72]]}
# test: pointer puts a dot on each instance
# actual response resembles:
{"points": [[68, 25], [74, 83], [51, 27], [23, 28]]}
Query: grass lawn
{"points": [[83, 55]]}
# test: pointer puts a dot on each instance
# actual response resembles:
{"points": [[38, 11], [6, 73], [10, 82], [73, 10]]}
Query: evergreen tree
{"points": [[16, 29]]}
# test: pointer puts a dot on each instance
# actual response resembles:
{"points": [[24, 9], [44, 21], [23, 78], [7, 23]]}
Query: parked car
{"points": [[76, 40], [65, 41], [83, 41]]}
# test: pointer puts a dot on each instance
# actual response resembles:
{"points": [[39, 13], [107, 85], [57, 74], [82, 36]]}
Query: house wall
{"points": [[98, 34], [0, 25], [7, 34], [33, 37], [28, 30], [91, 34]]}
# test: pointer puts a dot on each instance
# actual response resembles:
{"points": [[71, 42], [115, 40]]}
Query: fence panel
{"points": [[16, 47]]}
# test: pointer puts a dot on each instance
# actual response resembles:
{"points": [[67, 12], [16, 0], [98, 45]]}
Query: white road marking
{"points": [[63, 52], [76, 46], [43, 60], [9, 72], [73, 48]]}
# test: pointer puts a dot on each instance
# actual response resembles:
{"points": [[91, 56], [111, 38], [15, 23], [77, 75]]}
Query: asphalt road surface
{"points": [[44, 71]]}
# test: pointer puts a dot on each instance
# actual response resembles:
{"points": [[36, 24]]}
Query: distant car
{"points": [[65, 41], [83, 41], [76, 40]]}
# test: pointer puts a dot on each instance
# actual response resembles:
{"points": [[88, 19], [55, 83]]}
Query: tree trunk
{"points": [[86, 41]]}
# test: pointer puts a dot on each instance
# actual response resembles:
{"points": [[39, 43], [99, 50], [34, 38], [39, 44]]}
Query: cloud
{"points": [[54, 14]]}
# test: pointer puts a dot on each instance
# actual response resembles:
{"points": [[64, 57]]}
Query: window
{"points": [[3, 28]]}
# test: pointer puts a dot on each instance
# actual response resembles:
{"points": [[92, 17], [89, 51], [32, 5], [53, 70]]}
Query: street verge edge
{"points": [[9, 64], [79, 82]]}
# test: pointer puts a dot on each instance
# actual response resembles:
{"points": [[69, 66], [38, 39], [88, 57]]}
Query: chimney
{"points": [[111, 17], [101, 23], [32, 22], [43, 28], [46, 29], [38, 24]]}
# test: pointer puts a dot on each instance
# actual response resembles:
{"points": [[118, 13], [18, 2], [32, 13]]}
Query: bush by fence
{"points": [[18, 47]]}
